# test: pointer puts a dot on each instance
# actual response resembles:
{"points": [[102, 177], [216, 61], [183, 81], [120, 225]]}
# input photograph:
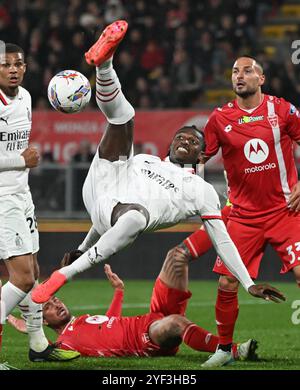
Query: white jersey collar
{"points": [[8, 99]]}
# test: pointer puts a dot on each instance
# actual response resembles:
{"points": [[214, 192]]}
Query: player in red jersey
{"points": [[256, 133], [157, 333]]}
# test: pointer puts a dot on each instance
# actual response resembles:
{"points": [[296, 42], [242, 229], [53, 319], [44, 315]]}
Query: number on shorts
{"points": [[291, 252], [32, 223]]}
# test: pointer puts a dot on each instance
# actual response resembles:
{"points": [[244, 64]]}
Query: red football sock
{"points": [[200, 339], [198, 243], [227, 311]]}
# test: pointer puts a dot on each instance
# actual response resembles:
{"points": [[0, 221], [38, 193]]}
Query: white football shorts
{"points": [[18, 227]]}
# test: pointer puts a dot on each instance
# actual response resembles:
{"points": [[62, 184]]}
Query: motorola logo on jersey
{"points": [[256, 151]]}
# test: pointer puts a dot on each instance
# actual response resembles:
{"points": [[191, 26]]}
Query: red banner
{"points": [[154, 130]]}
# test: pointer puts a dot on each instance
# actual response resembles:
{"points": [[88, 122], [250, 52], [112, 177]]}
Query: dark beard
{"points": [[245, 94]]}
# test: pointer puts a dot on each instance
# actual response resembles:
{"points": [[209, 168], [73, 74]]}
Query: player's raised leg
{"points": [[170, 296], [117, 140], [131, 222]]}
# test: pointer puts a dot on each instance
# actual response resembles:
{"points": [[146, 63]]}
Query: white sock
{"points": [[10, 297], [109, 95], [123, 233], [33, 315]]}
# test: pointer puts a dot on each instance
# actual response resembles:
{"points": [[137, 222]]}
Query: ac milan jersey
{"points": [[115, 336], [15, 126], [169, 193], [257, 150]]}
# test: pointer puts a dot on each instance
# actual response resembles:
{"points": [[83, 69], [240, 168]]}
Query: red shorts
{"points": [[168, 300], [251, 235]]}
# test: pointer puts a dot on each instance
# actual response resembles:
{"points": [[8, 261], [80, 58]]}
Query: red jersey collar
{"points": [[256, 108]]}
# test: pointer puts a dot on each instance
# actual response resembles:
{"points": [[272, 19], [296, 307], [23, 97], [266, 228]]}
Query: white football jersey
{"points": [[15, 126], [169, 193]]}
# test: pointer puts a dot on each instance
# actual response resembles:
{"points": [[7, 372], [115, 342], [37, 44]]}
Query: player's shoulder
{"points": [[281, 104], [225, 110], [23, 92]]}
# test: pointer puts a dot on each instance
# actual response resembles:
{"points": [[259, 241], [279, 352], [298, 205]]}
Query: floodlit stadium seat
{"points": [[290, 10], [278, 30]]}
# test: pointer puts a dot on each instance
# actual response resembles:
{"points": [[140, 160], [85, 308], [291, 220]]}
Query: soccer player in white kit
{"points": [[128, 195], [19, 240]]}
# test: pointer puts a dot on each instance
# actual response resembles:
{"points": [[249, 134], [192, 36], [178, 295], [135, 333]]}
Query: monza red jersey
{"points": [[257, 150], [115, 336]]}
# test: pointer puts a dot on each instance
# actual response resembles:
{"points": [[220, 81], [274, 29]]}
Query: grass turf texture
{"points": [[269, 323]]}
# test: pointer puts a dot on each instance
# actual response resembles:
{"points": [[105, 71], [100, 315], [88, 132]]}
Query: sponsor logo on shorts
{"points": [[145, 338], [18, 241]]}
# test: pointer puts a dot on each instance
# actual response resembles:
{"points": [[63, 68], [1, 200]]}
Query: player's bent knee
{"points": [[25, 283], [228, 283], [121, 209]]}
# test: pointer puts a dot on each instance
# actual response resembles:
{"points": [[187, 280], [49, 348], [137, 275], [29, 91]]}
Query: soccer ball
{"points": [[69, 91]]}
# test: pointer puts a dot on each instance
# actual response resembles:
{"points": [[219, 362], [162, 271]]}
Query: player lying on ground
{"points": [[157, 333], [127, 195]]}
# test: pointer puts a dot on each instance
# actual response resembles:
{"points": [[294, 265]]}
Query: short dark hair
{"points": [[13, 48], [193, 127], [258, 63]]}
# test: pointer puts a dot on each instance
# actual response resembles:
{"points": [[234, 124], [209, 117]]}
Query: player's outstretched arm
{"points": [[90, 239], [267, 292], [70, 257], [227, 251], [113, 278], [115, 309]]}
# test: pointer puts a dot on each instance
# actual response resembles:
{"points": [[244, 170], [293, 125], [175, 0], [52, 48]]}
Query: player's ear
{"points": [[45, 322], [262, 79], [202, 158], [25, 68]]}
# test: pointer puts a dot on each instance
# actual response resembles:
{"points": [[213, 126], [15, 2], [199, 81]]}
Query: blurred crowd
{"points": [[173, 52]]}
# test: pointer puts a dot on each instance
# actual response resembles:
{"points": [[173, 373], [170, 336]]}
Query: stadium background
{"points": [[174, 65]]}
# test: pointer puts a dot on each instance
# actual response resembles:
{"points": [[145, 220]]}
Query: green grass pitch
{"points": [[271, 324]]}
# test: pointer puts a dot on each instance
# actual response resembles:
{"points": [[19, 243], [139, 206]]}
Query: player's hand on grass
{"points": [[114, 279], [294, 200], [31, 157], [70, 257], [267, 292]]}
